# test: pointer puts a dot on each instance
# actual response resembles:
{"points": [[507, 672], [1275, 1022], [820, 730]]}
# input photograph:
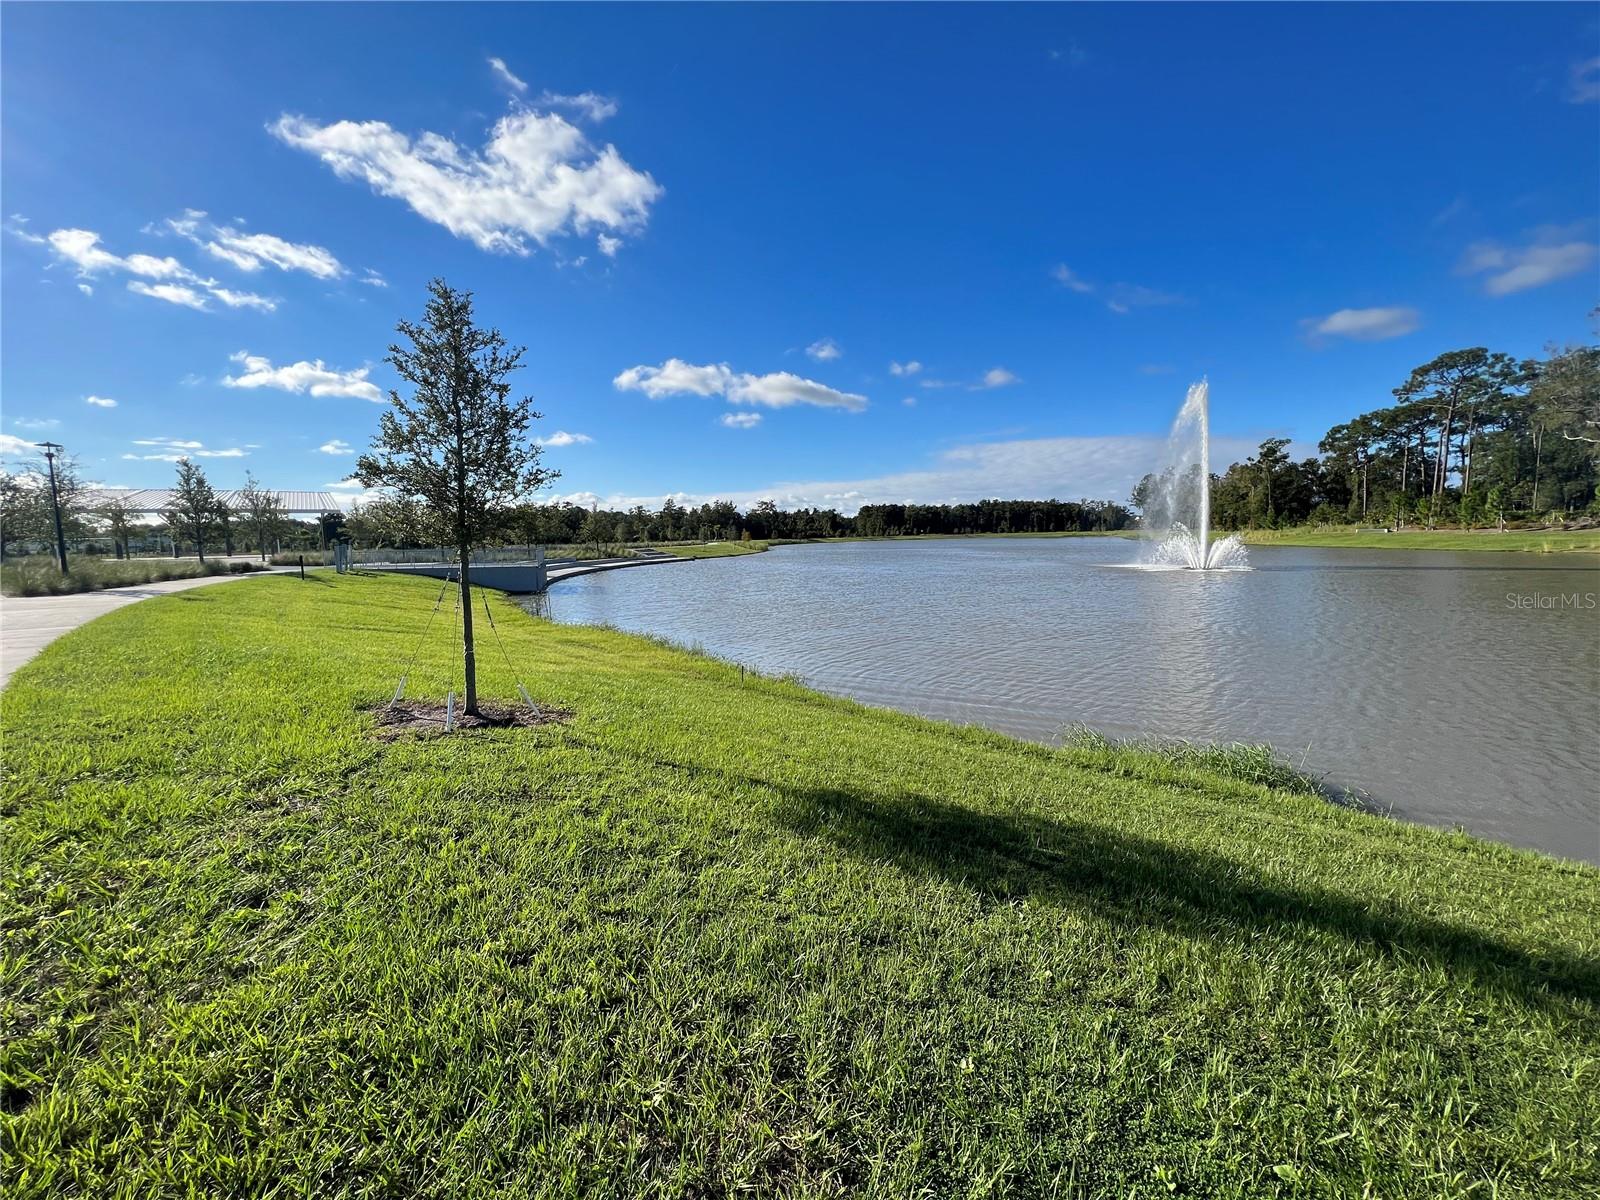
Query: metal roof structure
{"points": [[157, 500]]}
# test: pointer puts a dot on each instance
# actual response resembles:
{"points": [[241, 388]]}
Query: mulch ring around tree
{"points": [[422, 718]]}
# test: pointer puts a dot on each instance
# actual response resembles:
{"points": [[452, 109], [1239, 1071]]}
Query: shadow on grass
{"points": [[1133, 879]]}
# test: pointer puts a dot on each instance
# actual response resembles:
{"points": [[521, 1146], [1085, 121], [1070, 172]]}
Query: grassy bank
{"points": [[711, 549], [723, 935], [1535, 541], [37, 575]]}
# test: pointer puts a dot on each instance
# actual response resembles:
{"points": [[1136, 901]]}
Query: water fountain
{"points": [[1180, 503]]}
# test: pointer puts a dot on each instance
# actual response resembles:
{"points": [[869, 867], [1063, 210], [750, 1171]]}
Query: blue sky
{"points": [[825, 254]]}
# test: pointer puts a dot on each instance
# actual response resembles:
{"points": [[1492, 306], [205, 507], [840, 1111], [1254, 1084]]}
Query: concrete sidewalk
{"points": [[30, 623]]}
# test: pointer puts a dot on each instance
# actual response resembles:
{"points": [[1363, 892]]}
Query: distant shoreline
{"points": [[1559, 541]]}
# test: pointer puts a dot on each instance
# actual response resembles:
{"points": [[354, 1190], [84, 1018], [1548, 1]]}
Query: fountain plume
{"points": [[1180, 503]]}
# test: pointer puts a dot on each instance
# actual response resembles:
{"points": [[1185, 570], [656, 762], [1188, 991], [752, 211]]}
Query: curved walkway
{"points": [[30, 623]]}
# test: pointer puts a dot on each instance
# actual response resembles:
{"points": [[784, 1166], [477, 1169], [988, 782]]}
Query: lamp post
{"points": [[51, 449]]}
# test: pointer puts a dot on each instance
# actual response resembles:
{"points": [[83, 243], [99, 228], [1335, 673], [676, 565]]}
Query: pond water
{"points": [[1450, 689]]}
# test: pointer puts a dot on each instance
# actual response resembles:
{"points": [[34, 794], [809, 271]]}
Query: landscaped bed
{"points": [[719, 935]]}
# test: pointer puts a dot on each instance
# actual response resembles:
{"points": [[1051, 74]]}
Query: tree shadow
{"points": [[1137, 880]]}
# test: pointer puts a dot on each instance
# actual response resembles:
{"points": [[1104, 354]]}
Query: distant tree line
{"points": [[400, 523], [1472, 438]]}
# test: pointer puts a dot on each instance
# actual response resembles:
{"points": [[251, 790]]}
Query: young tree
{"points": [[459, 443], [194, 505], [261, 513], [118, 520]]}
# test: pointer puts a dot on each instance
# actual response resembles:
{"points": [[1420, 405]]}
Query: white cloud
{"points": [[675, 378], [37, 422], [172, 293], [905, 368], [302, 377], [1583, 85], [12, 446], [373, 279], [335, 446], [1552, 254], [740, 420], [1364, 324], [252, 251], [177, 449], [995, 377], [504, 75], [1120, 298], [1066, 277], [86, 289], [909, 402], [244, 299], [100, 401], [608, 246], [562, 438], [180, 285], [594, 107], [536, 178], [1125, 297], [824, 350], [780, 389]]}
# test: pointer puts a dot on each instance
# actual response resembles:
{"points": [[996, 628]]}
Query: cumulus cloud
{"points": [[1551, 253], [177, 449], [824, 350], [504, 75], [302, 377], [373, 279], [252, 251], [995, 377], [336, 446], [536, 178], [562, 438], [905, 368], [176, 283], [780, 389], [100, 401], [608, 246], [740, 420], [1363, 324], [13, 447]]}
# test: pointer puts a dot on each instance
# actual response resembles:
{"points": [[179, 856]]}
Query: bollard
{"points": [[302, 566]]}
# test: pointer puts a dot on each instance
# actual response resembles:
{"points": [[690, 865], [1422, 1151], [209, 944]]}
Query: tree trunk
{"points": [[1538, 442], [466, 628]]}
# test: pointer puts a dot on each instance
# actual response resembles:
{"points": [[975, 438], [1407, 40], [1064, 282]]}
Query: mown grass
{"points": [[725, 936], [729, 549], [37, 575], [1526, 540]]}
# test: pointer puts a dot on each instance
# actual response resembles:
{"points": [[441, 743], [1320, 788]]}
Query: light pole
{"points": [[51, 449]]}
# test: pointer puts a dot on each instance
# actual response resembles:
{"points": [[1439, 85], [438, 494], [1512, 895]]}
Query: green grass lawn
{"points": [[1538, 541], [37, 575], [730, 549], [724, 936]]}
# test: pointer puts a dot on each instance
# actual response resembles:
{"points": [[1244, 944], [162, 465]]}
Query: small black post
{"points": [[302, 566]]}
